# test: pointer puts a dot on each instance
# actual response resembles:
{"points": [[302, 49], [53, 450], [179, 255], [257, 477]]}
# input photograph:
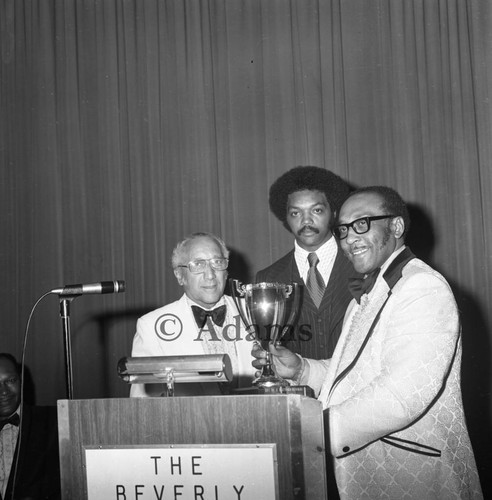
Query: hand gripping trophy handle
{"points": [[262, 308]]}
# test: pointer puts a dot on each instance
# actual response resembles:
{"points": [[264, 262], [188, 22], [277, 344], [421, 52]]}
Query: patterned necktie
{"points": [[13, 419], [359, 286], [201, 315], [314, 282]]}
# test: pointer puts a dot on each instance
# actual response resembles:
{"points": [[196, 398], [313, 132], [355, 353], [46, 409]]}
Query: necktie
{"points": [[201, 315], [359, 286], [314, 281], [13, 419]]}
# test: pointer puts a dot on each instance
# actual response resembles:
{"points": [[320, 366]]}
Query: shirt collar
{"points": [[328, 246]]}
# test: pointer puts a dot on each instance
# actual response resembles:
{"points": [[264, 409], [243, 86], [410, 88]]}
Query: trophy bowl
{"points": [[262, 308]]}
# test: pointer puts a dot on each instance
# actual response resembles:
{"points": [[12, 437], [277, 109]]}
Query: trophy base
{"points": [[303, 390], [270, 381]]}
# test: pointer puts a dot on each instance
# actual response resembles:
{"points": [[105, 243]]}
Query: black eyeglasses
{"points": [[360, 226], [200, 265]]}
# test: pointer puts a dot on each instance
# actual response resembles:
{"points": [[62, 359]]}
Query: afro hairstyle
{"points": [[312, 179]]}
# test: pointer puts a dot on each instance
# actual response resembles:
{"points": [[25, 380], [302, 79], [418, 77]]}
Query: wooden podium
{"points": [[289, 426]]}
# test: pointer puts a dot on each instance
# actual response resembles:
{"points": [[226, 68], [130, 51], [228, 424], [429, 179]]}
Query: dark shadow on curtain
{"points": [[421, 237], [239, 268], [29, 387], [475, 370], [107, 323]]}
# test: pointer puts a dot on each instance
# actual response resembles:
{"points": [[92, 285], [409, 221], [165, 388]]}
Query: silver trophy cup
{"points": [[262, 307]]}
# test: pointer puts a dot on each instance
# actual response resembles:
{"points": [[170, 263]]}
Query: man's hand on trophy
{"points": [[287, 364]]}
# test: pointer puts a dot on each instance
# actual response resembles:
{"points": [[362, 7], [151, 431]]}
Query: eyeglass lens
{"points": [[198, 266], [360, 226]]}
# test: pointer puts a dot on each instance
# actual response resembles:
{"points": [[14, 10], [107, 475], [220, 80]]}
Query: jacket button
{"points": [[346, 449]]}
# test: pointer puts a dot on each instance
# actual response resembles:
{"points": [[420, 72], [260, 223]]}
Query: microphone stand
{"points": [[66, 295], [65, 317]]}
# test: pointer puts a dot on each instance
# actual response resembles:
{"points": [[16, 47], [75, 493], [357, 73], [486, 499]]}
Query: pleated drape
{"points": [[127, 124]]}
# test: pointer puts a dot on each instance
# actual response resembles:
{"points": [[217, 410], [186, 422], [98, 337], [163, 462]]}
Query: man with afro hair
{"points": [[305, 199]]}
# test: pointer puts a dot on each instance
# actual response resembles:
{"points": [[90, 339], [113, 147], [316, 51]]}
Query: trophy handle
{"points": [[291, 289], [238, 288]]}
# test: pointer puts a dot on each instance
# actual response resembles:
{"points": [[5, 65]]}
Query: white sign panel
{"points": [[208, 472]]}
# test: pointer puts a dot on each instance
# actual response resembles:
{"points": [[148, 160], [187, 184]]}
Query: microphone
{"points": [[117, 286]]}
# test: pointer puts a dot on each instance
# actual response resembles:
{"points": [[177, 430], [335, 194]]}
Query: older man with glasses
{"points": [[394, 417], [202, 321]]}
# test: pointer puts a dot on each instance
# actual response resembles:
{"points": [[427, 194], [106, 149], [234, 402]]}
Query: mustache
{"points": [[308, 228]]}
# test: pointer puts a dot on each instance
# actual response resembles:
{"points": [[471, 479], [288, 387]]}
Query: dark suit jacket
{"points": [[316, 330], [38, 473]]}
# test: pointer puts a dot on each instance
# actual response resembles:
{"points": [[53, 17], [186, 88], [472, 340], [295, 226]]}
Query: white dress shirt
{"points": [[326, 255]]}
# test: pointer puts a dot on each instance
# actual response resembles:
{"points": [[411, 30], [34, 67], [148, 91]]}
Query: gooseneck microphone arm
{"points": [[66, 295]]}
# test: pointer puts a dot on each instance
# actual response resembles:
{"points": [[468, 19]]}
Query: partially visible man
{"points": [[306, 200], [29, 463], [202, 321], [391, 392]]}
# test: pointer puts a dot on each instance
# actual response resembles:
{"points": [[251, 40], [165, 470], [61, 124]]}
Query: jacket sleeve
{"points": [[145, 344], [314, 374]]}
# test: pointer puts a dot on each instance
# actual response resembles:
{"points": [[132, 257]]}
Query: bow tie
{"points": [[201, 315], [360, 286], [13, 419]]}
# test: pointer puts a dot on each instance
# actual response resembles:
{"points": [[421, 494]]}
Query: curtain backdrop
{"points": [[127, 124]]}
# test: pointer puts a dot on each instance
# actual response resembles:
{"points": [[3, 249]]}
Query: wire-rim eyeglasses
{"points": [[198, 266]]}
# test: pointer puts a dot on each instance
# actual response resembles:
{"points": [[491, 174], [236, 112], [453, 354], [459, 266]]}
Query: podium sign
{"points": [[204, 434], [182, 472]]}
